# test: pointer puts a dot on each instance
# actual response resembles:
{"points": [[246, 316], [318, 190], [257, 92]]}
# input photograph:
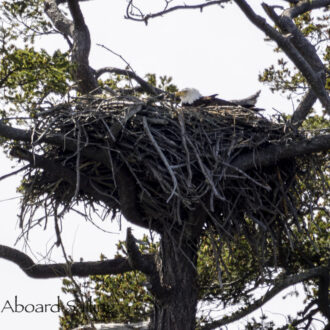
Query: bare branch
{"points": [[279, 285], [83, 269], [145, 18], [14, 173]]}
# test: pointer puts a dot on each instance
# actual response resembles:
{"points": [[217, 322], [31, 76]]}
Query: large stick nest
{"points": [[180, 159]]}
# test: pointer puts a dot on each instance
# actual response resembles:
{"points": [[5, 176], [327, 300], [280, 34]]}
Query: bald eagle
{"points": [[192, 97]]}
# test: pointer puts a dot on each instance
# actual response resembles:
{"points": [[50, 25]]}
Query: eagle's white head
{"points": [[189, 95]]}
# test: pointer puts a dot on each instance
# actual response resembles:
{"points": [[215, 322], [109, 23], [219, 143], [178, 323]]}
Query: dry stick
{"points": [[184, 142], [246, 175], [216, 221], [206, 172], [77, 164], [14, 173], [162, 156]]}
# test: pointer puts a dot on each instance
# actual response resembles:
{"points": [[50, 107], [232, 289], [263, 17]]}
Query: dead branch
{"points": [[144, 18]]}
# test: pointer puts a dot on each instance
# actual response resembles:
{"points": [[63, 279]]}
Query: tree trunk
{"points": [[178, 259]]}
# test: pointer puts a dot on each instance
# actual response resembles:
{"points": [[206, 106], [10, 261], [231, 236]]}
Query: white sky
{"points": [[217, 51]]}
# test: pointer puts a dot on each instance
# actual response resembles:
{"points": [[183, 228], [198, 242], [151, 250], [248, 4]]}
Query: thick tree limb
{"points": [[135, 257], [304, 47], [304, 6], [60, 140], [323, 295], [63, 24], [315, 79], [128, 198], [83, 269], [78, 31], [137, 261], [279, 285], [272, 154], [80, 52], [303, 108], [130, 74], [302, 44]]}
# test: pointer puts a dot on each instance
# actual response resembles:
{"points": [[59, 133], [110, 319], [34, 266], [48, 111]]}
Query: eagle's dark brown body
{"points": [[209, 100], [213, 100]]}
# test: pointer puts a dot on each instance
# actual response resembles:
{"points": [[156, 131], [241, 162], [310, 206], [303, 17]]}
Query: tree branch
{"points": [[63, 24], [137, 261], [323, 295], [315, 79], [272, 154], [84, 75], [83, 269], [78, 31], [301, 43], [145, 18], [135, 257], [279, 285], [128, 196], [60, 140], [303, 108], [304, 6], [148, 88]]}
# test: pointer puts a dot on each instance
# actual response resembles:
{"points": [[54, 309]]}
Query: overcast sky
{"points": [[217, 51]]}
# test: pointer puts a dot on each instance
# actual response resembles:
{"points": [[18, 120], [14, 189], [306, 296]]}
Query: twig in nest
{"points": [[162, 156]]}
